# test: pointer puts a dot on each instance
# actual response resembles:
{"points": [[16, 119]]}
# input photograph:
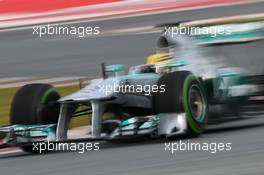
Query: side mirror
{"points": [[176, 63], [114, 68]]}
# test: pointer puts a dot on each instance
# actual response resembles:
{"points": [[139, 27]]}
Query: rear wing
{"points": [[258, 96]]}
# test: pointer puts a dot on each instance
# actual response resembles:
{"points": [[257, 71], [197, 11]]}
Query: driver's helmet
{"points": [[159, 58]]}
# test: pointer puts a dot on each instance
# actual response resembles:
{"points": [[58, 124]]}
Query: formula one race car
{"points": [[176, 92]]}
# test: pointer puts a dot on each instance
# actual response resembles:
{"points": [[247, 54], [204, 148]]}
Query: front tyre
{"points": [[35, 104], [184, 93]]}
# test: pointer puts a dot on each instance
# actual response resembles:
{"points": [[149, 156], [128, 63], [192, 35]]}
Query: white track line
{"points": [[59, 81], [5, 151]]}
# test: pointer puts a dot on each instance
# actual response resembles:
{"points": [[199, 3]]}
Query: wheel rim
{"points": [[196, 103]]}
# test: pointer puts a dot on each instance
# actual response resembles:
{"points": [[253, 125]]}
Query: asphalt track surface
{"points": [[23, 55]]}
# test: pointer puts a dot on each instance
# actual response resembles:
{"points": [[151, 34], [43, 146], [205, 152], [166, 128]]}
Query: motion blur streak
{"points": [[64, 56]]}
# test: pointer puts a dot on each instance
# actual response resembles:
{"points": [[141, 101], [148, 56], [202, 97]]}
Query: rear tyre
{"points": [[35, 104], [184, 94]]}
